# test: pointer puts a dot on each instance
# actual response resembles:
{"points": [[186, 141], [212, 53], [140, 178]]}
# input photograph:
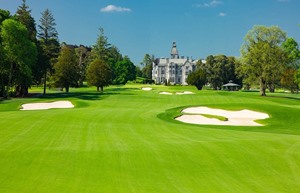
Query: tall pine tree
{"points": [[48, 38]]}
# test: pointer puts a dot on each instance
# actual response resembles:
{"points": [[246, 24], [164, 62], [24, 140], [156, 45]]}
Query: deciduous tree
{"points": [[147, 66], [99, 74], [66, 71], [289, 78], [262, 55], [124, 71], [19, 52], [197, 78]]}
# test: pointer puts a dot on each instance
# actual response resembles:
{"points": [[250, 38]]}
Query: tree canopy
{"points": [[197, 78], [66, 72], [48, 41], [20, 53], [263, 58], [220, 70], [99, 74]]}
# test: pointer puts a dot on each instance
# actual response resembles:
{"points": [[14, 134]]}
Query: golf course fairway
{"points": [[125, 140]]}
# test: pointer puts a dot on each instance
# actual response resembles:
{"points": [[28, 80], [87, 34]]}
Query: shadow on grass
{"points": [[284, 97], [78, 95]]}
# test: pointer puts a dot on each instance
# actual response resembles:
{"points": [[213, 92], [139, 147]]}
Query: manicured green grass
{"points": [[221, 118], [125, 140]]}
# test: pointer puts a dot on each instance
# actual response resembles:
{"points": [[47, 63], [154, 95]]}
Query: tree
{"points": [[66, 71], [99, 74], [49, 43], [100, 49], [197, 78], [262, 56], [23, 15], [124, 71], [220, 70], [4, 65], [19, 52], [289, 78], [4, 14], [147, 63], [83, 54]]}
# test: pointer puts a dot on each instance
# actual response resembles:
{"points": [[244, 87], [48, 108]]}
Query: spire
{"points": [[174, 51]]}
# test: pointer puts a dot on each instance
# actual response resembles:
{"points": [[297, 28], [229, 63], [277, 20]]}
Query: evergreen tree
{"points": [[23, 15], [48, 38]]}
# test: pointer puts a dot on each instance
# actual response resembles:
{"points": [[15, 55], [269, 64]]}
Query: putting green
{"points": [[126, 140]]}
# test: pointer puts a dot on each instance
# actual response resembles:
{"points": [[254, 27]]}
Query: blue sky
{"points": [[137, 27]]}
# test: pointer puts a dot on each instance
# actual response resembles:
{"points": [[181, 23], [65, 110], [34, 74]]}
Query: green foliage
{"points": [[83, 55], [99, 74], [101, 48], [291, 47], [147, 63], [48, 40], [220, 70], [20, 53], [197, 78], [66, 71], [47, 26], [263, 57], [4, 14], [24, 16], [124, 71]]}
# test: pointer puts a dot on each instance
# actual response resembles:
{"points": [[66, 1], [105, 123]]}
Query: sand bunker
{"points": [[43, 106], [185, 92], [167, 93], [235, 118], [147, 88]]}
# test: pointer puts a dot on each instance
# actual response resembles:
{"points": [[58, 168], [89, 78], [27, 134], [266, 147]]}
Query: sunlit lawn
{"points": [[125, 140]]}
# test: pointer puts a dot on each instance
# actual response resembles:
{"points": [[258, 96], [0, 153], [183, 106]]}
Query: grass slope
{"points": [[125, 140]]}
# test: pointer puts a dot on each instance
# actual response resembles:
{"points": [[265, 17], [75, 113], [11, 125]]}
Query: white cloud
{"points": [[113, 8], [222, 14], [213, 3]]}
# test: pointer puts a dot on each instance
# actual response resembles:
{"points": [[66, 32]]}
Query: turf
{"points": [[125, 140]]}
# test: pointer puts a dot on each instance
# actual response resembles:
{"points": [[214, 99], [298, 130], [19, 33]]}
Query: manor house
{"points": [[173, 70]]}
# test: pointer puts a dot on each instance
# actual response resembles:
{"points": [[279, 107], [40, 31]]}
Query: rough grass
{"points": [[125, 140]]}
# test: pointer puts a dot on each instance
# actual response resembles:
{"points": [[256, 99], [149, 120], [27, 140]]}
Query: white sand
{"points": [[167, 93], [185, 92], [43, 106], [235, 118], [147, 88]]}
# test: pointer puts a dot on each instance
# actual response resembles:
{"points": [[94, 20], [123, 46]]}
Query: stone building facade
{"points": [[173, 70]]}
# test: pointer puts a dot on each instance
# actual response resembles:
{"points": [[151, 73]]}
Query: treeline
{"points": [[268, 58], [31, 54]]}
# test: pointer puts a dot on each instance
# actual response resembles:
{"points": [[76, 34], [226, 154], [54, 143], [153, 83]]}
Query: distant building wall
{"points": [[173, 70]]}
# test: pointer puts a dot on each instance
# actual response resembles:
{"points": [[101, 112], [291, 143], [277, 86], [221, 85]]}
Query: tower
{"points": [[174, 51]]}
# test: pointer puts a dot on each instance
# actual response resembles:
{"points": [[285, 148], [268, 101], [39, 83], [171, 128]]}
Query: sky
{"points": [[137, 27]]}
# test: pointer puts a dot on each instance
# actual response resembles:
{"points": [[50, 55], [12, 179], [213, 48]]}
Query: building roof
{"points": [[230, 84]]}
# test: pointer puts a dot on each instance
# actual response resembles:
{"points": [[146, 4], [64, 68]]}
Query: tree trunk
{"points": [[101, 87], [262, 87], [9, 80], [45, 81], [67, 89], [98, 89], [271, 87], [199, 87]]}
